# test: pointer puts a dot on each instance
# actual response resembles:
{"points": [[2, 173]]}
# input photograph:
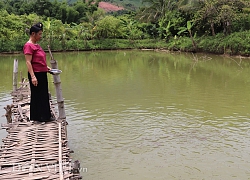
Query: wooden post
{"points": [[8, 114], [15, 73], [60, 151], [57, 83]]}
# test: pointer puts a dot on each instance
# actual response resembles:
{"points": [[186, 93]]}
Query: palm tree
{"points": [[156, 9]]}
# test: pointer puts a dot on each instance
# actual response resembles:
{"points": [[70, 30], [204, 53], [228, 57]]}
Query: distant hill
{"points": [[125, 4], [108, 7]]}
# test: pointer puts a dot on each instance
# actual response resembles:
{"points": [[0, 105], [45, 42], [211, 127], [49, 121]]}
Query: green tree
{"points": [[30, 19], [12, 32], [218, 13], [72, 15], [82, 9], [131, 28], [109, 27], [56, 10], [156, 9], [43, 7], [63, 9], [95, 16]]}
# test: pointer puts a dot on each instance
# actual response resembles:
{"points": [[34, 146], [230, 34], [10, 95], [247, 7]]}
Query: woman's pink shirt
{"points": [[38, 60]]}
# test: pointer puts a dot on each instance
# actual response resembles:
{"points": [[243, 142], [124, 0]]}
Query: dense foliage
{"points": [[220, 26]]}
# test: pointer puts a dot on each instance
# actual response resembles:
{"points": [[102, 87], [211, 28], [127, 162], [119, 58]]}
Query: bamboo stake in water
{"points": [[57, 83], [15, 73]]}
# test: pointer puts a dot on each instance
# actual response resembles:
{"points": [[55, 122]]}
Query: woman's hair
{"points": [[36, 28]]}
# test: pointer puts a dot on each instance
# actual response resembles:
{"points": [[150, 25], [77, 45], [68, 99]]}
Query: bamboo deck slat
{"points": [[34, 150]]}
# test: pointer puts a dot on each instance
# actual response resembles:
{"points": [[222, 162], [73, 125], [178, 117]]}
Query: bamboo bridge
{"points": [[31, 150]]}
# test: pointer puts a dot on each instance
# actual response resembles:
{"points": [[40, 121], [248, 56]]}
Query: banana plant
{"points": [[189, 30], [164, 31]]}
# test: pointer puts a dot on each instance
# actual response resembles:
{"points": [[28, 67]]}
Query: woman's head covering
{"points": [[36, 28]]}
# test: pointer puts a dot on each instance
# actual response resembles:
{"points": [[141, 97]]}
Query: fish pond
{"points": [[143, 115]]}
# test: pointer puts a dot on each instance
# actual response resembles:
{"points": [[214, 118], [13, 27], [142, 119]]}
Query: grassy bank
{"points": [[234, 44]]}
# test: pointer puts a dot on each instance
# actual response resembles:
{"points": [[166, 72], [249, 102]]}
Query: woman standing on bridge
{"points": [[37, 73]]}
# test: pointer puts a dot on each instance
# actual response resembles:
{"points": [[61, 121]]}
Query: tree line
{"points": [[180, 24], [63, 11]]}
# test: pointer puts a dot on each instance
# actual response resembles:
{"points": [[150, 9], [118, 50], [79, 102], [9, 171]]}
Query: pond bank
{"points": [[235, 44]]}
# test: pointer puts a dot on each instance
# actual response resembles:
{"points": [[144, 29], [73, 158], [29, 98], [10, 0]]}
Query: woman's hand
{"points": [[49, 68], [34, 80]]}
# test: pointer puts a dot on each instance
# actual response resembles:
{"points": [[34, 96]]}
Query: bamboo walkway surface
{"points": [[34, 150]]}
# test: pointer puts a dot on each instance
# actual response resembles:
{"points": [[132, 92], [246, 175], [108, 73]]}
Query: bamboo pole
{"points": [[15, 73], [60, 151], [57, 83]]}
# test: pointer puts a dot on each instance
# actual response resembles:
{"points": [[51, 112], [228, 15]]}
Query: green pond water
{"points": [[143, 115]]}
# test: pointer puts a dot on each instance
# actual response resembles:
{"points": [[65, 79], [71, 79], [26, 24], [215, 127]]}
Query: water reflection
{"points": [[151, 115]]}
